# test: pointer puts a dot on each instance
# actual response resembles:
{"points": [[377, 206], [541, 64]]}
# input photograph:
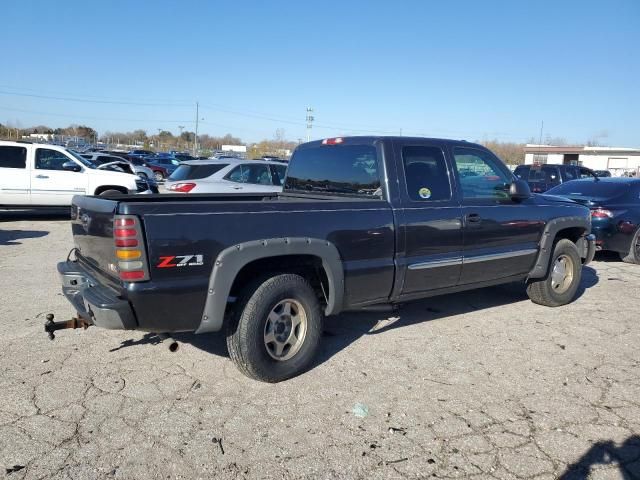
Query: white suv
{"points": [[33, 174]]}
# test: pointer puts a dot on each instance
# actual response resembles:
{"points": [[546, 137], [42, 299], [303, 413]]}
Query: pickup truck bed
{"points": [[404, 223]]}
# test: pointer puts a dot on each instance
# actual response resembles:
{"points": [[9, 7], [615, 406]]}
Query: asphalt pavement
{"points": [[483, 384]]}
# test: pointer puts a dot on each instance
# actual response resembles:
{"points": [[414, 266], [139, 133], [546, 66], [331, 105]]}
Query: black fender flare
{"points": [[549, 235], [231, 260]]}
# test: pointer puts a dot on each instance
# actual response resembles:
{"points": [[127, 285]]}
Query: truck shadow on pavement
{"points": [[343, 330], [45, 214], [12, 237], [626, 456]]}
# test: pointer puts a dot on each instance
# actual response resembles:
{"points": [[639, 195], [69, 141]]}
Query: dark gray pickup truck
{"points": [[362, 222]]}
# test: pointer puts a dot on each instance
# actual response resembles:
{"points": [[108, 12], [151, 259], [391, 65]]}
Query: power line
{"points": [[86, 100]]}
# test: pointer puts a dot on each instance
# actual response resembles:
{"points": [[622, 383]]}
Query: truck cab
{"points": [[33, 174]]}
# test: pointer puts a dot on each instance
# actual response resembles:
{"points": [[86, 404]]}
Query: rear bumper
{"points": [[94, 302]]}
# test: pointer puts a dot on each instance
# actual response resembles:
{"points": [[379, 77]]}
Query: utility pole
{"points": [[195, 140], [310, 120], [181, 127], [541, 129]]}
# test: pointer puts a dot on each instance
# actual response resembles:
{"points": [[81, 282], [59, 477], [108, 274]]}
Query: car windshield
{"points": [[590, 188]]}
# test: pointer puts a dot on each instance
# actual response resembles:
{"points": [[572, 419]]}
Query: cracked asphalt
{"points": [[482, 384]]}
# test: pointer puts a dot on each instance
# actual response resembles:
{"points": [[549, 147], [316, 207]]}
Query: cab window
{"points": [[426, 174], [13, 157], [50, 159], [482, 175]]}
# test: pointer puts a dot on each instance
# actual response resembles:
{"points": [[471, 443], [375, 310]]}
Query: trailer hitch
{"points": [[50, 326]]}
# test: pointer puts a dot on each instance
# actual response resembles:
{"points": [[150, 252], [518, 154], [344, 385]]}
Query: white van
{"points": [[33, 174]]}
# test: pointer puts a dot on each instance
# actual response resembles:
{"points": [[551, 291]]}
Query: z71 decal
{"points": [[181, 261]]}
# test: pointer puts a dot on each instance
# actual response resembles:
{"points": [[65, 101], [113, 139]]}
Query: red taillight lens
{"points": [[125, 232], [332, 141], [134, 275], [126, 242], [601, 213], [182, 187], [124, 222], [130, 255]]}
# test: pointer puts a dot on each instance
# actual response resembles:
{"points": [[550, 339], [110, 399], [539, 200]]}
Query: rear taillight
{"points": [[601, 213], [130, 255], [182, 187]]}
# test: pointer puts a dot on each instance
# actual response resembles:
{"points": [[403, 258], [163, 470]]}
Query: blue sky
{"points": [[462, 69]]}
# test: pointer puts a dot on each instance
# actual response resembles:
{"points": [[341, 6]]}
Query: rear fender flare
{"points": [[548, 238], [231, 260]]}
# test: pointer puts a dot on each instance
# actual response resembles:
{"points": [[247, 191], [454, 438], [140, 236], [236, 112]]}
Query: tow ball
{"points": [[50, 326]]}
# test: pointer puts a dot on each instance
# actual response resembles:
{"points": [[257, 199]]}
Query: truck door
{"points": [[429, 219], [50, 183], [500, 235], [14, 175]]}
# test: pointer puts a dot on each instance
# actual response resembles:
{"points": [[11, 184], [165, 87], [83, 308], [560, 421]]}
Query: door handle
{"points": [[237, 188], [474, 218], [41, 176]]}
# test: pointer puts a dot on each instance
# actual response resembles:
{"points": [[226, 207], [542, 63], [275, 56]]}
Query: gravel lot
{"points": [[482, 384]]}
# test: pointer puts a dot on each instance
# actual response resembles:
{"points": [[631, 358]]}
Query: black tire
{"points": [[245, 330], [143, 175], [110, 193], [545, 291], [158, 176], [633, 256]]}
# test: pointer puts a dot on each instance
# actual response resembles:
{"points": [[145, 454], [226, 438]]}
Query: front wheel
{"points": [[633, 256], [158, 176], [276, 330], [563, 277]]}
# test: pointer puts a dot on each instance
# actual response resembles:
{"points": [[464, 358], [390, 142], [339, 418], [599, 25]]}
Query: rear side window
{"points": [[251, 173], [522, 173], [278, 172], [195, 172], [425, 171], [335, 169], [13, 157]]}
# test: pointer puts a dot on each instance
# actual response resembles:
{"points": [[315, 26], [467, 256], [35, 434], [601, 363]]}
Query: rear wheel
{"points": [[158, 176], [276, 330], [110, 193], [633, 256], [563, 277]]}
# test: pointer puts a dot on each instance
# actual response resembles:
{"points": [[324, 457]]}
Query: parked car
{"points": [[102, 158], [543, 177], [602, 173], [363, 222], [227, 176], [615, 212], [34, 174], [140, 153], [162, 167]]}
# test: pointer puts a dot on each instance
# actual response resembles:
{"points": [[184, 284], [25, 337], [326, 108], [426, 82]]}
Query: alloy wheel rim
{"points": [[285, 329], [562, 274]]}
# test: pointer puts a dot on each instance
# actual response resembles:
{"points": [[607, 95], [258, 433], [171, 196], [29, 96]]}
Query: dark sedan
{"points": [[615, 212]]}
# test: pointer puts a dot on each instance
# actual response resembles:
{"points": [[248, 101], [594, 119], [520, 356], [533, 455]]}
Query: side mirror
{"points": [[71, 166], [519, 190]]}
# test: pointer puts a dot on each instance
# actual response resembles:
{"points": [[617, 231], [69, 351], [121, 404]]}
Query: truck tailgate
{"points": [[92, 227]]}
